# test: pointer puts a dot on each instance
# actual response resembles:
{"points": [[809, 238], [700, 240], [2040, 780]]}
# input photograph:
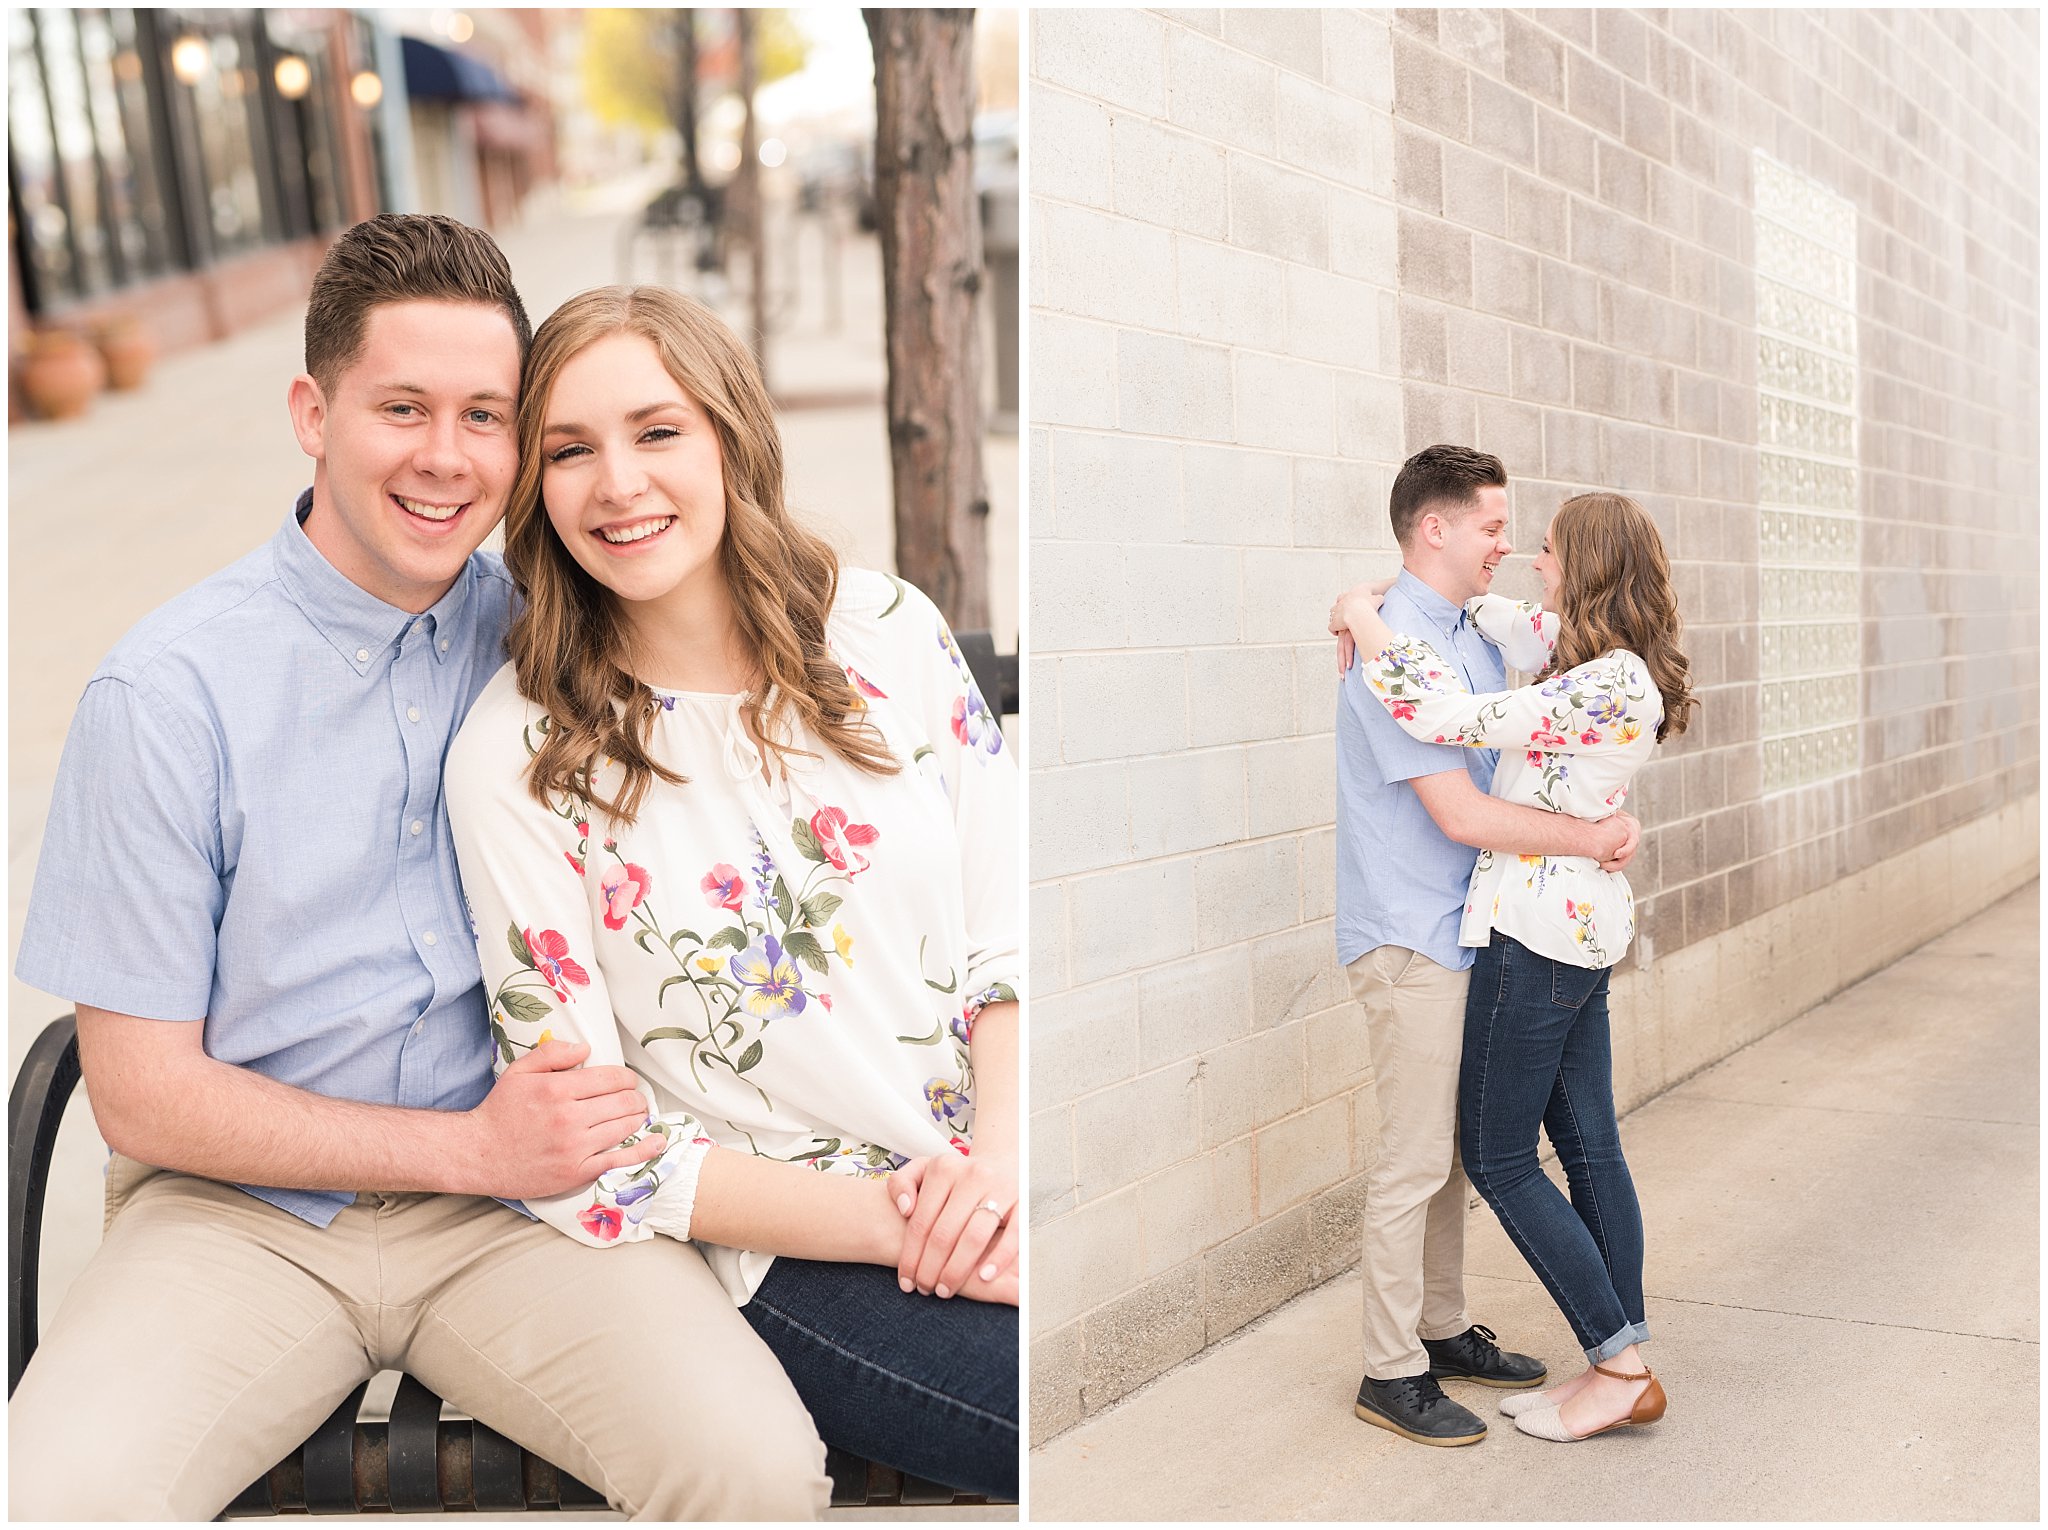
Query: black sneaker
{"points": [[1473, 1356], [1415, 1408]]}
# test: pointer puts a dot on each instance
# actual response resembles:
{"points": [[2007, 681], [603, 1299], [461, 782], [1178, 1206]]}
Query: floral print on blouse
{"points": [[1568, 744], [792, 965]]}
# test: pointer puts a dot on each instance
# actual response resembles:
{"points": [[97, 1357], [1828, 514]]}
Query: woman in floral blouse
{"points": [[741, 819], [1611, 684]]}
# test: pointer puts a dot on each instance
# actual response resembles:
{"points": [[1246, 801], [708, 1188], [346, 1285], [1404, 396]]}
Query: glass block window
{"points": [[1810, 545]]}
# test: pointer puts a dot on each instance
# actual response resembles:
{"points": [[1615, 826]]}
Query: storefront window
{"points": [[228, 144], [305, 142], [113, 73], [146, 142], [44, 232]]}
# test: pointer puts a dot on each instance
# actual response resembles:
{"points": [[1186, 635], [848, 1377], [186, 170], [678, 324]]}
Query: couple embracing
{"points": [[646, 1084], [1481, 906]]}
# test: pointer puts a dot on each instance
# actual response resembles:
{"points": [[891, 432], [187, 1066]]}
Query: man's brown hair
{"points": [[1445, 475], [401, 258]]}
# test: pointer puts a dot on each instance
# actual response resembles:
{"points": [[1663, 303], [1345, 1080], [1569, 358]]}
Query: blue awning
{"points": [[440, 74]]}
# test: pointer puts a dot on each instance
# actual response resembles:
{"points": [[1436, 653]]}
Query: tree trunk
{"points": [[931, 273], [753, 221], [686, 99]]}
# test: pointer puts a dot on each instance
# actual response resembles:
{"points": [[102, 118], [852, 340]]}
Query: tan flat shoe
{"points": [[1515, 1404], [1548, 1423]]}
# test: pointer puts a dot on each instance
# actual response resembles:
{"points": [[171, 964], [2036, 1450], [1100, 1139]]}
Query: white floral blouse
{"points": [[1568, 744], [792, 968]]}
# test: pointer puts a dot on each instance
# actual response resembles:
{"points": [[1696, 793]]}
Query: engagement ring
{"points": [[992, 1206]]}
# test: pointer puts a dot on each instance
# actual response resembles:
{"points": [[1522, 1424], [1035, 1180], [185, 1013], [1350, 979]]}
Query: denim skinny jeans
{"points": [[926, 1386], [1537, 1053]]}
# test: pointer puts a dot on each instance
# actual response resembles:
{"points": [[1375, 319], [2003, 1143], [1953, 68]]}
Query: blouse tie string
{"points": [[742, 755]]}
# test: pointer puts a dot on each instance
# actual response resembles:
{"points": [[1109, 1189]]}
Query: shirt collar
{"points": [[1446, 614], [357, 623]]}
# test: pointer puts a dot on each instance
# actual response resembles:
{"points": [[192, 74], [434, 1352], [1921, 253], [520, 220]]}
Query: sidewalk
{"points": [[1843, 1280]]}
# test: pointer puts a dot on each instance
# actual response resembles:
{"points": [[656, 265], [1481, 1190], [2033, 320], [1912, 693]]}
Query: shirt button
{"points": [[416, 826], [412, 714], [444, 645], [419, 1025], [362, 656], [430, 938]]}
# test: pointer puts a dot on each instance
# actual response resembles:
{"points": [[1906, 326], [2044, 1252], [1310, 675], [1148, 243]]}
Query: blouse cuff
{"points": [[659, 1195]]}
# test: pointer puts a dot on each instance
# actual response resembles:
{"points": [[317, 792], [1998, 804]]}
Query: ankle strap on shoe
{"points": [[1625, 1375]]}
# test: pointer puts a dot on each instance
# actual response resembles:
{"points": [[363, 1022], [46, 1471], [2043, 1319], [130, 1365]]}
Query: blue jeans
{"points": [[926, 1386], [1537, 1052]]}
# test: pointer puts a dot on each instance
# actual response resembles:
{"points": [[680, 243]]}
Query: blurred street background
{"points": [[175, 176]]}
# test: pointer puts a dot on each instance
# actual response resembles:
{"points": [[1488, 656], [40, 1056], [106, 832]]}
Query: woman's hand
{"points": [[1351, 610], [961, 1236]]}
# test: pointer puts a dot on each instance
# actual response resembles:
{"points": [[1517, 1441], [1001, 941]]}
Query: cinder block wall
{"points": [[1773, 273]]}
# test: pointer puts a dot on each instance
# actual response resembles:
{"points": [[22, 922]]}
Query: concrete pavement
{"points": [[1843, 1281]]}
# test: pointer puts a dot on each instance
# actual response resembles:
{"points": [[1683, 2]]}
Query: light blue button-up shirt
{"points": [[1400, 881], [247, 831]]}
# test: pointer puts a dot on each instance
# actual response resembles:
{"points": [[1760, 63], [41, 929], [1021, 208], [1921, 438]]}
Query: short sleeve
{"points": [[1396, 755], [1523, 631], [526, 868], [130, 887]]}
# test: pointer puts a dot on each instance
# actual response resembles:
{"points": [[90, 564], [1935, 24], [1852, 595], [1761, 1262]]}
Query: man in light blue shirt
{"points": [[1411, 819], [248, 889]]}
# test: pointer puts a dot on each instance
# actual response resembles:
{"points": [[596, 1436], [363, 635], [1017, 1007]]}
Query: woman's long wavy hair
{"points": [[1614, 591], [569, 643]]}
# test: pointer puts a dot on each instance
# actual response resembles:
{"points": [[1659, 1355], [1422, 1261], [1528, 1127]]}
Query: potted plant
{"points": [[128, 349], [63, 374]]}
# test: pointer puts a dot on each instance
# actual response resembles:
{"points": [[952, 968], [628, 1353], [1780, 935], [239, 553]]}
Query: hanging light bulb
{"points": [[460, 28], [190, 59], [293, 77], [366, 89]]}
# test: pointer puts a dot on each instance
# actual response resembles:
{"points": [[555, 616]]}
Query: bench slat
{"points": [[413, 1449], [494, 1470], [329, 1457]]}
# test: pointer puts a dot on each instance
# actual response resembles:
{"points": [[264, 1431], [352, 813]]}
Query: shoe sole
{"points": [[1488, 1381], [1408, 1434]]}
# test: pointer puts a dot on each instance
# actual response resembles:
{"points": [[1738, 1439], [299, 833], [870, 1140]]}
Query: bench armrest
{"points": [[35, 1109]]}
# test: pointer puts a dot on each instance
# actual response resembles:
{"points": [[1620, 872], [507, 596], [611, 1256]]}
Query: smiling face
{"points": [[1547, 570], [1469, 543], [414, 447], [632, 476]]}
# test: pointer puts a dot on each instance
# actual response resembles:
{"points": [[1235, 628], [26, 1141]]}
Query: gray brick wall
{"points": [[1217, 407], [1273, 252]]}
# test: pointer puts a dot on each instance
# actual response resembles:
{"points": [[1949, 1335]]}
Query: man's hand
{"points": [[549, 1125], [954, 1243], [1624, 834]]}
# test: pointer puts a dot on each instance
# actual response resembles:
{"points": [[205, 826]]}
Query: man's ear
{"points": [[1432, 528], [308, 406]]}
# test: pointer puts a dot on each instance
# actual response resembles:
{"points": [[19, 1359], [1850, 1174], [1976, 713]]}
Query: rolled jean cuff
{"points": [[1630, 1333]]}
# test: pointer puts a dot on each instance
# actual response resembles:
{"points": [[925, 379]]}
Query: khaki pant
{"points": [[1415, 1193], [211, 1333]]}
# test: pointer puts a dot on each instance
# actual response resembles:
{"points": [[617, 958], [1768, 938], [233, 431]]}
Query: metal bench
{"points": [[995, 673]]}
